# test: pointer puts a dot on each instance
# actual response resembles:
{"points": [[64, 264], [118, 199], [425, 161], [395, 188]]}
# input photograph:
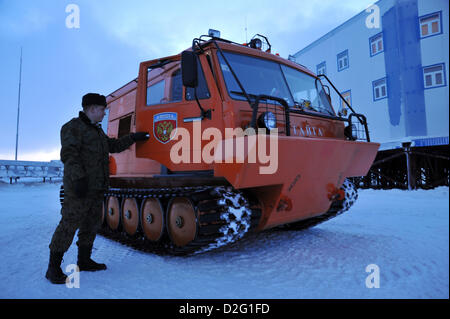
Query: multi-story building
{"points": [[390, 62]]}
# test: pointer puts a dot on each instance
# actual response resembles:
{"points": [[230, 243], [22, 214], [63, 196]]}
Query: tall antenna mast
{"points": [[18, 102], [245, 29]]}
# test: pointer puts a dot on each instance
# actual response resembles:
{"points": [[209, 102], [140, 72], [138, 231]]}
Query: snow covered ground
{"points": [[404, 233]]}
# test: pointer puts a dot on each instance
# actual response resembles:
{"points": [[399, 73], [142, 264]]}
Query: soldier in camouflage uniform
{"points": [[85, 152]]}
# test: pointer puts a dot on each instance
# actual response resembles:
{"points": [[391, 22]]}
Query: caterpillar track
{"points": [[337, 208], [222, 216]]}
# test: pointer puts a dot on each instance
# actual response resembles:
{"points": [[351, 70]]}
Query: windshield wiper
{"points": [[243, 94], [261, 96], [302, 106], [299, 105], [306, 105], [325, 109]]}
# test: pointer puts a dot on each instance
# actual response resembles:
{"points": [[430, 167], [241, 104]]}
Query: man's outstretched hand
{"points": [[140, 136]]}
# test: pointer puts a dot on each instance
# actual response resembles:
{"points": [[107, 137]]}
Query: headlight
{"points": [[267, 120], [350, 132], [214, 33], [256, 44]]}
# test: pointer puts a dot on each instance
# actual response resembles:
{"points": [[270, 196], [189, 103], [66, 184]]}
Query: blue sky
{"points": [[60, 64]]}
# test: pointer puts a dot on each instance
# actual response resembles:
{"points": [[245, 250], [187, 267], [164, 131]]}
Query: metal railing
{"points": [[362, 121], [14, 170]]}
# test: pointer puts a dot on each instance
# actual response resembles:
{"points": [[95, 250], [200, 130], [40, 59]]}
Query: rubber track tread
{"points": [[210, 206]]}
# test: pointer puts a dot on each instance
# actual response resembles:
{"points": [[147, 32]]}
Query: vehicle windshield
{"points": [[259, 76]]}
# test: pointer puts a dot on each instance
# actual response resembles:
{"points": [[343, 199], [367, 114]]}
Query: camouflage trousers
{"points": [[84, 214]]}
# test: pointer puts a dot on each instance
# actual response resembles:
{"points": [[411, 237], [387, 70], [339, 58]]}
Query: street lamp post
{"points": [[18, 103]]}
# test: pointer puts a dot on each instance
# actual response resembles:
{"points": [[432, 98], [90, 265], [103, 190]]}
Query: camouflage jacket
{"points": [[85, 152]]}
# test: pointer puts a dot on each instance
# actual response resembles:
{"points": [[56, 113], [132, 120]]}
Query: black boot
{"points": [[54, 271], [85, 263]]}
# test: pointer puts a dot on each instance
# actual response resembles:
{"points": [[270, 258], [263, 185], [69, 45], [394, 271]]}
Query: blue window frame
{"points": [[342, 60], [434, 76], [347, 95], [376, 44], [321, 68], [379, 89], [430, 24]]}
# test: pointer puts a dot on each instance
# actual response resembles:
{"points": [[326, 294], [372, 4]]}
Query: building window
{"points": [[376, 44], [342, 60], [321, 68], [379, 89], [434, 76], [347, 95], [430, 24]]}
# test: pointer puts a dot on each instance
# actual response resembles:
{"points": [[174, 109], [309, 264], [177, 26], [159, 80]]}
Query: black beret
{"points": [[93, 99]]}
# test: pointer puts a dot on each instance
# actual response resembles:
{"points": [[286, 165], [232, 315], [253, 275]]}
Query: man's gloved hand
{"points": [[140, 136], [80, 187]]}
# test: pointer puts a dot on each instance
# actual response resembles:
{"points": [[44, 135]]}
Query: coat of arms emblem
{"points": [[163, 125]]}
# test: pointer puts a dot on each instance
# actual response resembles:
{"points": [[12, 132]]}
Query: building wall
{"points": [[435, 50], [409, 109]]}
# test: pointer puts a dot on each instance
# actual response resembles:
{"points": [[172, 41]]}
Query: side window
{"points": [[176, 90], [155, 93], [202, 88]]}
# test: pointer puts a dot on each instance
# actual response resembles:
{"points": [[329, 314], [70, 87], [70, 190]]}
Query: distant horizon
{"points": [[39, 156]]}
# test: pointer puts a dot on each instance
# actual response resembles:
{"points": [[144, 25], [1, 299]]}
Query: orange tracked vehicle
{"points": [[240, 140]]}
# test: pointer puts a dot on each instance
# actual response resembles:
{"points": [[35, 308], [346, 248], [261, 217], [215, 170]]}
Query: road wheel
{"points": [[152, 219], [181, 221], [130, 216], [113, 212]]}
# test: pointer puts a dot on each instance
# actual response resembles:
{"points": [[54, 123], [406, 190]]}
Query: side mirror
{"points": [[189, 69]]}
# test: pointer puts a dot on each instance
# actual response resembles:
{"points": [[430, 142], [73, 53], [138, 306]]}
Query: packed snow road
{"points": [[395, 240]]}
